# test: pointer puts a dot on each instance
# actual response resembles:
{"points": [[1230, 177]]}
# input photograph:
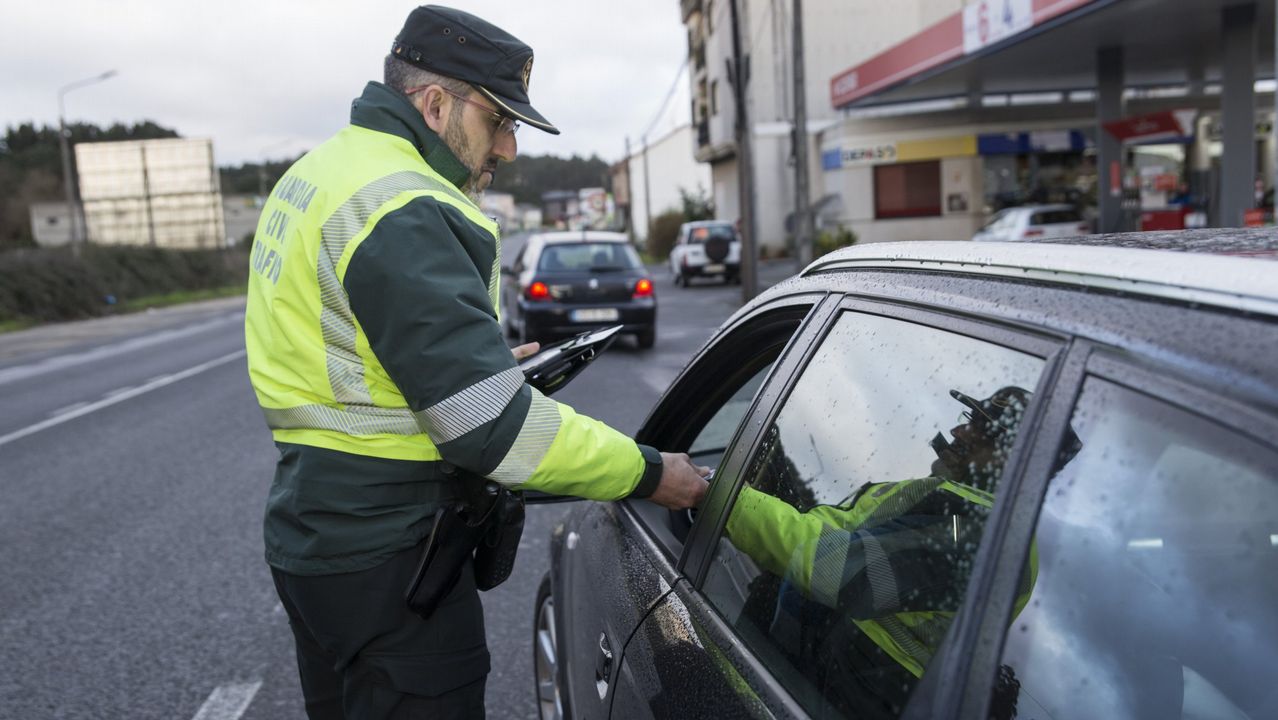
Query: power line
{"points": [[664, 103]]}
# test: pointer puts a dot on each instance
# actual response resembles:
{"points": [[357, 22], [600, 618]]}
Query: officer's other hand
{"points": [[525, 350], [683, 485]]}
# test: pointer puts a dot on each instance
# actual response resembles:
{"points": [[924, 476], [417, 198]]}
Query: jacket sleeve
{"points": [[416, 290]]}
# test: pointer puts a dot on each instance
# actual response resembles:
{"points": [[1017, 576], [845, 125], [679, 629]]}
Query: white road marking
{"points": [[228, 702], [22, 372], [112, 399], [117, 391], [70, 408]]}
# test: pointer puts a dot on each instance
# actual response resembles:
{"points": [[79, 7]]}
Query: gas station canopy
{"points": [[1030, 46]]}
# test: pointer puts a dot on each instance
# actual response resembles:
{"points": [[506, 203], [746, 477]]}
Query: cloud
{"points": [[272, 78]]}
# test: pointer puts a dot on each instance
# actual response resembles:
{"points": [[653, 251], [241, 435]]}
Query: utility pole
{"points": [[647, 198], [802, 211], [630, 197], [739, 76], [78, 230]]}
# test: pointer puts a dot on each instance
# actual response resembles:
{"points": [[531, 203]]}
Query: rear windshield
{"points": [[700, 235], [1052, 217], [597, 256]]}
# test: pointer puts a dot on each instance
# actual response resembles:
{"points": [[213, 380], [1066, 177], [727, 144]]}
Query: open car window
{"points": [[703, 412]]}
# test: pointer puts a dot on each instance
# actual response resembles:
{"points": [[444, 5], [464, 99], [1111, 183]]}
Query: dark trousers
{"points": [[362, 654]]}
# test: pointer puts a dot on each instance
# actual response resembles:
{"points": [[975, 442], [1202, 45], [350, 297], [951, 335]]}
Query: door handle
{"points": [[603, 666]]}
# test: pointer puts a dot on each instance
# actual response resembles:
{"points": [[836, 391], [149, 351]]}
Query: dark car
{"points": [[563, 283], [952, 480]]}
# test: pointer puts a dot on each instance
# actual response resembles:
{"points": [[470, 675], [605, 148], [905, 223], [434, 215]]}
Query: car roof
{"points": [[1041, 208], [1222, 268], [578, 236], [707, 223]]}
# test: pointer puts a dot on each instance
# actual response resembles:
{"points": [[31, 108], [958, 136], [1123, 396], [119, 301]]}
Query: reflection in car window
{"points": [[846, 556], [588, 256], [1157, 589]]}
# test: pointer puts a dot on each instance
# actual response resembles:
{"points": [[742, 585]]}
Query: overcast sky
{"points": [[272, 78]]}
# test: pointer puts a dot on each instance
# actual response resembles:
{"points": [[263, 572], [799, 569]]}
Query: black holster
{"points": [[484, 527]]}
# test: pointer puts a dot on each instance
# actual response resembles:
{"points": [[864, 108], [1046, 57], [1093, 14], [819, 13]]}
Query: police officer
{"points": [[376, 355]]}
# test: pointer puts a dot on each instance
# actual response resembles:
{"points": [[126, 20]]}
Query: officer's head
{"points": [[984, 436], [469, 79]]}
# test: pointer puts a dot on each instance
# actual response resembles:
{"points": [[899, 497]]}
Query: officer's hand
{"points": [[526, 350], [683, 485]]}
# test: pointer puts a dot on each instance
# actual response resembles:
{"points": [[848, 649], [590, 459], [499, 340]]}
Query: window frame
{"points": [[1199, 398], [948, 665]]}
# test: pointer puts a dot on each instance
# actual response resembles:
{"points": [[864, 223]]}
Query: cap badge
{"points": [[527, 73]]}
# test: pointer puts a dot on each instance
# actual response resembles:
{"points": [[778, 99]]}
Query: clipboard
{"points": [[554, 366]]}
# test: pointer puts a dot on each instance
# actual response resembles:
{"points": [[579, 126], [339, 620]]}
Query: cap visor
{"points": [[523, 112], [971, 402]]}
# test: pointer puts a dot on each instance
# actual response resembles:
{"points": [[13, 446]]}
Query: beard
{"points": [[456, 139]]}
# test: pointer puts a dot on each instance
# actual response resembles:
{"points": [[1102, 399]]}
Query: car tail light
{"points": [[1032, 233], [1083, 227], [643, 288], [538, 291]]}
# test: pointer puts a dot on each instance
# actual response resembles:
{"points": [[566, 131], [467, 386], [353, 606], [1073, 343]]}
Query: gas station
{"points": [[1145, 114]]}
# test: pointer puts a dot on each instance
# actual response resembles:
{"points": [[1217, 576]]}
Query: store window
{"points": [[907, 190]]}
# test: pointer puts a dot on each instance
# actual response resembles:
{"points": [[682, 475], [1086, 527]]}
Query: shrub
{"points": [[662, 234], [833, 239], [50, 284]]}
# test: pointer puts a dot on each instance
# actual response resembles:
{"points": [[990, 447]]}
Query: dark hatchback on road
{"points": [[563, 283], [953, 480]]}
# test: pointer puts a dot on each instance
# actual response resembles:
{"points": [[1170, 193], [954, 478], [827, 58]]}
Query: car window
{"points": [[588, 256], [998, 221], [708, 446], [700, 235], [1053, 217], [1157, 586], [847, 553]]}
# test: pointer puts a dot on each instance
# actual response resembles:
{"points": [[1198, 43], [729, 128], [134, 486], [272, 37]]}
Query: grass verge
{"points": [[178, 298]]}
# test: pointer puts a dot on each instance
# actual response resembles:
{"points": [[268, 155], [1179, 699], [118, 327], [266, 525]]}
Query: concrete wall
{"points": [[672, 166]]}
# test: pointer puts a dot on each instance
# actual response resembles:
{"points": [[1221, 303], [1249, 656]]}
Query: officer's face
{"points": [[479, 140]]}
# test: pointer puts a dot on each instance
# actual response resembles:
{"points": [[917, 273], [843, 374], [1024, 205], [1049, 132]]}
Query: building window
{"points": [[714, 97], [907, 190]]}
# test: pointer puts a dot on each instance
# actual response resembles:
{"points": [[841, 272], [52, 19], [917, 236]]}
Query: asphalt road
{"points": [[134, 464]]}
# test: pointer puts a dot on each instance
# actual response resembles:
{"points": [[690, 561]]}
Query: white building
{"points": [[671, 162]]}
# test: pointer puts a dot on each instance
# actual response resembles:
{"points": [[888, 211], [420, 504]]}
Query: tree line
{"points": [[31, 172]]}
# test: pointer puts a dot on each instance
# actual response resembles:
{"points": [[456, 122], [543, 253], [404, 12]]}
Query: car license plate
{"points": [[714, 268], [595, 315]]}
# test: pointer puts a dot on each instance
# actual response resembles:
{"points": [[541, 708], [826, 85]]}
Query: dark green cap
{"points": [[459, 45]]}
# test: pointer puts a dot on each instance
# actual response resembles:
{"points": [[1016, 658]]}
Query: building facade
{"points": [[926, 117]]}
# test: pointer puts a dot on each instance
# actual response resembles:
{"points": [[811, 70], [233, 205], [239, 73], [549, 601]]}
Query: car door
{"points": [[1153, 526], [782, 609]]}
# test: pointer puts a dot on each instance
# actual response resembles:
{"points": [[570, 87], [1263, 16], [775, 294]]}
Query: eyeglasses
{"points": [[500, 123]]}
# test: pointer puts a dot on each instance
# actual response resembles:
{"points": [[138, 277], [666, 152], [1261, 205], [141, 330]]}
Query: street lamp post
{"points": [[68, 181]]}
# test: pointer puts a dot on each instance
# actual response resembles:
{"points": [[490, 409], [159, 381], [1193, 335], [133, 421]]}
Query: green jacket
{"points": [[375, 352], [894, 561]]}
